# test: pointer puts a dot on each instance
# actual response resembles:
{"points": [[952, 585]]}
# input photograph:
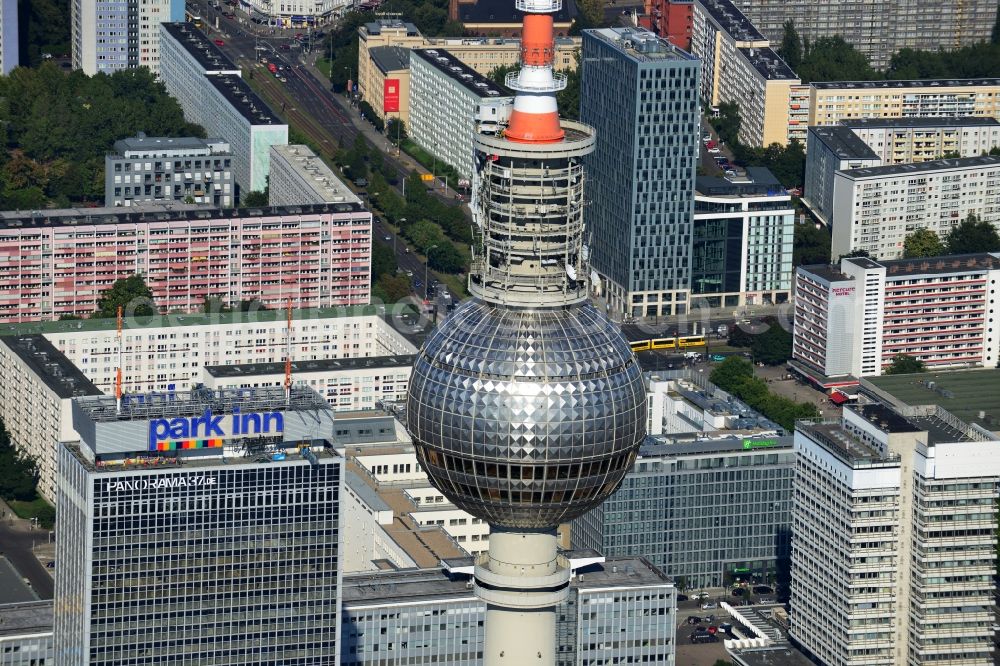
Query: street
{"points": [[17, 538]]}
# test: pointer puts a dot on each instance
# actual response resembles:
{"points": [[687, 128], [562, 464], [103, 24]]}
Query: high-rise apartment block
{"points": [[670, 19], [894, 550], [641, 95], [111, 35], [739, 66], [386, 86], [618, 610], [830, 149], [199, 527], [212, 94], [705, 511], [875, 208], [906, 140], [881, 28], [157, 169], [61, 261], [831, 102], [298, 176], [741, 252], [9, 40], [450, 103], [852, 319]]}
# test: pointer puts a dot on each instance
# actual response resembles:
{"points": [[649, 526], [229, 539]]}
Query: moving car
{"points": [[219, 42]]}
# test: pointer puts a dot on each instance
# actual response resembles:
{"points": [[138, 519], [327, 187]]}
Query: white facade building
{"points": [[71, 358], [212, 94], [907, 140], [111, 35], [366, 516], [894, 526], [9, 42], [738, 65], [450, 103], [829, 150], [295, 13], [851, 320], [298, 176], [348, 384], [752, 213], [875, 208]]}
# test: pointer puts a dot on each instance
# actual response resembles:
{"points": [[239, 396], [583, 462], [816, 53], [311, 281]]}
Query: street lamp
{"points": [[426, 264]]}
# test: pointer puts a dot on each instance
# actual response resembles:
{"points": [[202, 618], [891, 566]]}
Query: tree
{"points": [[857, 252], [393, 288], [922, 243], [833, 59], [812, 245], [727, 125], [772, 346], [383, 261], [446, 258], [791, 46], [904, 364], [973, 235], [131, 294], [731, 372], [253, 199], [395, 130]]}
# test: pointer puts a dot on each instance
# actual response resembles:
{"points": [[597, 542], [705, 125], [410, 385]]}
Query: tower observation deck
{"points": [[526, 405]]}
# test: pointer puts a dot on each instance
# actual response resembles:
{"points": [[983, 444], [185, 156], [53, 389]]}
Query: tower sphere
{"points": [[526, 418]]}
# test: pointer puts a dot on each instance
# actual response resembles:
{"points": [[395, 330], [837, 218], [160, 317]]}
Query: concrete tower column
{"points": [[521, 579]]}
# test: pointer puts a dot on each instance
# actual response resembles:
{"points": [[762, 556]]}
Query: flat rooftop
{"points": [[51, 366], [978, 162], [964, 393], [390, 58], [312, 170], [153, 145], [31, 617], [656, 447], [768, 64], [918, 83], [906, 268], [843, 142], [150, 213], [209, 56], [407, 586], [774, 655], [464, 75], [841, 443], [732, 20], [376, 27], [246, 102], [319, 365], [827, 272], [916, 122], [640, 44], [759, 181]]}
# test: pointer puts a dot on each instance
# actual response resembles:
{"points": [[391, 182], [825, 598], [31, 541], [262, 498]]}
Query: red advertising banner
{"points": [[390, 96]]}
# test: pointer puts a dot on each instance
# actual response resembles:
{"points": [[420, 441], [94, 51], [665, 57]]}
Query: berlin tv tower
{"points": [[526, 405]]}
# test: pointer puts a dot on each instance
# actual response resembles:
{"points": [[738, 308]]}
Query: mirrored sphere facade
{"points": [[526, 418]]}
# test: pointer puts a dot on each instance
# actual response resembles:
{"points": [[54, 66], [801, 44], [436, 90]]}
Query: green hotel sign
{"points": [[749, 444]]}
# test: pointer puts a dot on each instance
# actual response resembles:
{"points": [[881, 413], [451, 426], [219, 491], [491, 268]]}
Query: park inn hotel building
{"points": [[200, 527]]}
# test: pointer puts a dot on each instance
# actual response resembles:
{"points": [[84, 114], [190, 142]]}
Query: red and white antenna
{"points": [[535, 118], [118, 373], [288, 356]]}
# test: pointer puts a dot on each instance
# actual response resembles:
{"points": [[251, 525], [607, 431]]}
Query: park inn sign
{"points": [[209, 430]]}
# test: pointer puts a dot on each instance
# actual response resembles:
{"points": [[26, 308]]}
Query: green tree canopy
{"points": [[18, 473], [392, 288], [791, 46], [973, 235], [922, 243], [253, 199], [857, 252], [395, 131], [904, 364], [131, 294], [812, 245], [833, 59], [772, 346]]}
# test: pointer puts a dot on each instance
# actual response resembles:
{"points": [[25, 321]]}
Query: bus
{"points": [[640, 345], [663, 343], [691, 341], [191, 17]]}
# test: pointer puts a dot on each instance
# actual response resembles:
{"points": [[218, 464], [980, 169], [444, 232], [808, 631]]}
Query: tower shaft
{"points": [[521, 579]]}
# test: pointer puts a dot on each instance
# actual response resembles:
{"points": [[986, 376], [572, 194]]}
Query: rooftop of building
{"points": [[662, 447], [757, 181], [843, 142], [898, 269], [143, 407], [51, 366], [885, 418], [917, 83], [316, 172], [846, 446], [367, 494], [470, 79], [390, 58], [318, 365], [640, 44], [148, 213], [209, 56], [950, 164], [970, 395], [949, 121], [155, 144], [827, 272], [414, 585], [768, 64], [504, 11], [773, 655], [376, 27], [241, 97], [732, 20], [30, 617]]}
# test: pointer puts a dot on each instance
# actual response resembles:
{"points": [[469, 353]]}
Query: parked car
{"points": [[715, 150], [711, 605], [704, 638]]}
